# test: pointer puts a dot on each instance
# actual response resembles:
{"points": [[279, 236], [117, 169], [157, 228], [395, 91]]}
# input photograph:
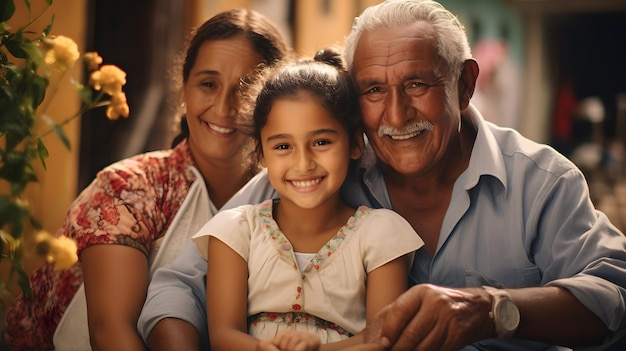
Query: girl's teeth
{"points": [[305, 183]]}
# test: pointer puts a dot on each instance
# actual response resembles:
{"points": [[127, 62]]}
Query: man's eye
{"points": [[374, 90], [418, 85]]}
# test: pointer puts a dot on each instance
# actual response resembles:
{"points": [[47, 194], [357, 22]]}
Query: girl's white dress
{"points": [[327, 296]]}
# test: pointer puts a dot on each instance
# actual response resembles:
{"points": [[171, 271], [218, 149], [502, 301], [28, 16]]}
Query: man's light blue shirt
{"points": [[520, 216]]}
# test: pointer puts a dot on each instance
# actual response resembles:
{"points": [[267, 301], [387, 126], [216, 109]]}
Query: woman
{"points": [[122, 218]]}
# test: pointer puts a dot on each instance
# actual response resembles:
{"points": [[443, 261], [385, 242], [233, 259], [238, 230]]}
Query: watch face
{"points": [[508, 315]]}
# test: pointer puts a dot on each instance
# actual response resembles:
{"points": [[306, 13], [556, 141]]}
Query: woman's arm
{"points": [[227, 299], [384, 285], [116, 281]]}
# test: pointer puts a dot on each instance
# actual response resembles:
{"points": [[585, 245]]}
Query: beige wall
{"points": [[314, 28]]}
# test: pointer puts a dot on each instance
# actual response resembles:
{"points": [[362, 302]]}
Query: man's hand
{"points": [[429, 318]]}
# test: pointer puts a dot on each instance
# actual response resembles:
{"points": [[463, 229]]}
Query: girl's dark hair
{"points": [[325, 78], [255, 27]]}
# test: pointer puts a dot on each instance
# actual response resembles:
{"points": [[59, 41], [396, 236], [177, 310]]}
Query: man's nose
{"points": [[397, 106]]}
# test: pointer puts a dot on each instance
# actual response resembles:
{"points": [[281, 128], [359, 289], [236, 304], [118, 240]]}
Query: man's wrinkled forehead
{"points": [[388, 46]]}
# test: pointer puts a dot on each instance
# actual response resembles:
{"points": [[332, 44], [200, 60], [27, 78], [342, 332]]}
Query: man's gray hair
{"points": [[452, 43]]}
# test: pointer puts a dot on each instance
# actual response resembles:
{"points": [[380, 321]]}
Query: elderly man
{"points": [[494, 209], [516, 256]]}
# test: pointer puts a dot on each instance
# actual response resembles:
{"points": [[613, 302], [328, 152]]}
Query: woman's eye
{"points": [[209, 84]]}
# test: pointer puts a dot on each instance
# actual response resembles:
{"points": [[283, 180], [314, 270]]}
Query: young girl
{"points": [[305, 269]]}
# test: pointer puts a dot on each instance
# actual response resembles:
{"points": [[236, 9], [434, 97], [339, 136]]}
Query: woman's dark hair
{"points": [[325, 78], [255, 27]]}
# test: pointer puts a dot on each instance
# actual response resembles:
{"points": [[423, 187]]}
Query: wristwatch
{"points": [[504, 312]]}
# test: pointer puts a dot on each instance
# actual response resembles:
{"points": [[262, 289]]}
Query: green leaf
{"points": [[58, 130], [7, 8], [28, 6], [46, 31], [14, 45], [10, 214], [35, 223], [23, 281], [86, 94], [42, 151], [38, 88], [35, 56]]}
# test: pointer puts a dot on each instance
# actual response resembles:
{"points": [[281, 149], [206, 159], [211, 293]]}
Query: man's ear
{"points": [[467, 82], [359, 146]]}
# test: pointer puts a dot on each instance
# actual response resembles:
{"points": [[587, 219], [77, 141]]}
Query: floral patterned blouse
{"points": [[132, 203]]}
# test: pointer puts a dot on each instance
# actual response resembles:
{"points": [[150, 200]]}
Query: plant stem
{"points": [[55, 90], [85, 108]]}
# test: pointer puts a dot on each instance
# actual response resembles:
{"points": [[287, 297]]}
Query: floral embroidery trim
{"points": [[286, 250], [291, 318]]}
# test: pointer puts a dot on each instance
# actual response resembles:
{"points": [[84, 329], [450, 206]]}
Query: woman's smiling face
{"points": [[212, 98]]}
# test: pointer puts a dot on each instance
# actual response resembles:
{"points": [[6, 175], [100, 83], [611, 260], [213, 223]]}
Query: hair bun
{"points": [[330, 56]]}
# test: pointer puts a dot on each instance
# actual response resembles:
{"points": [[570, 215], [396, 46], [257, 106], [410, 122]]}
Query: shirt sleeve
{"points": [[581, 251], [178, 291], [124, 205]]}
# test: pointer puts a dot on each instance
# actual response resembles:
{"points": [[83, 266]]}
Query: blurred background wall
{"points": [[552, 69]]}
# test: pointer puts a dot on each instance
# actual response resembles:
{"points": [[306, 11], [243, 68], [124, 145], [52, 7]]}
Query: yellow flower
{"points": [[60, 52], [92, 60], [109, 78], [118, 106], [61, 251]]}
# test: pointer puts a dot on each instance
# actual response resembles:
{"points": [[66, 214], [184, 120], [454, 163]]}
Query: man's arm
{"points": [[174, 311], [554, 315]]}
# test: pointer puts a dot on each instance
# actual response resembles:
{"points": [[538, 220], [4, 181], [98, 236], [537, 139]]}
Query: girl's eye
{"points": [[321, 142], [281, 147]]}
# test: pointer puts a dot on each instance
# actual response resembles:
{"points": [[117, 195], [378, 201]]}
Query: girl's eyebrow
{"points": [[313, 133], [324, 131], [277, 136]]}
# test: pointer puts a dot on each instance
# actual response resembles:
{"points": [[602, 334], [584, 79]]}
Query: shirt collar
{"points": [[485, 159]]}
